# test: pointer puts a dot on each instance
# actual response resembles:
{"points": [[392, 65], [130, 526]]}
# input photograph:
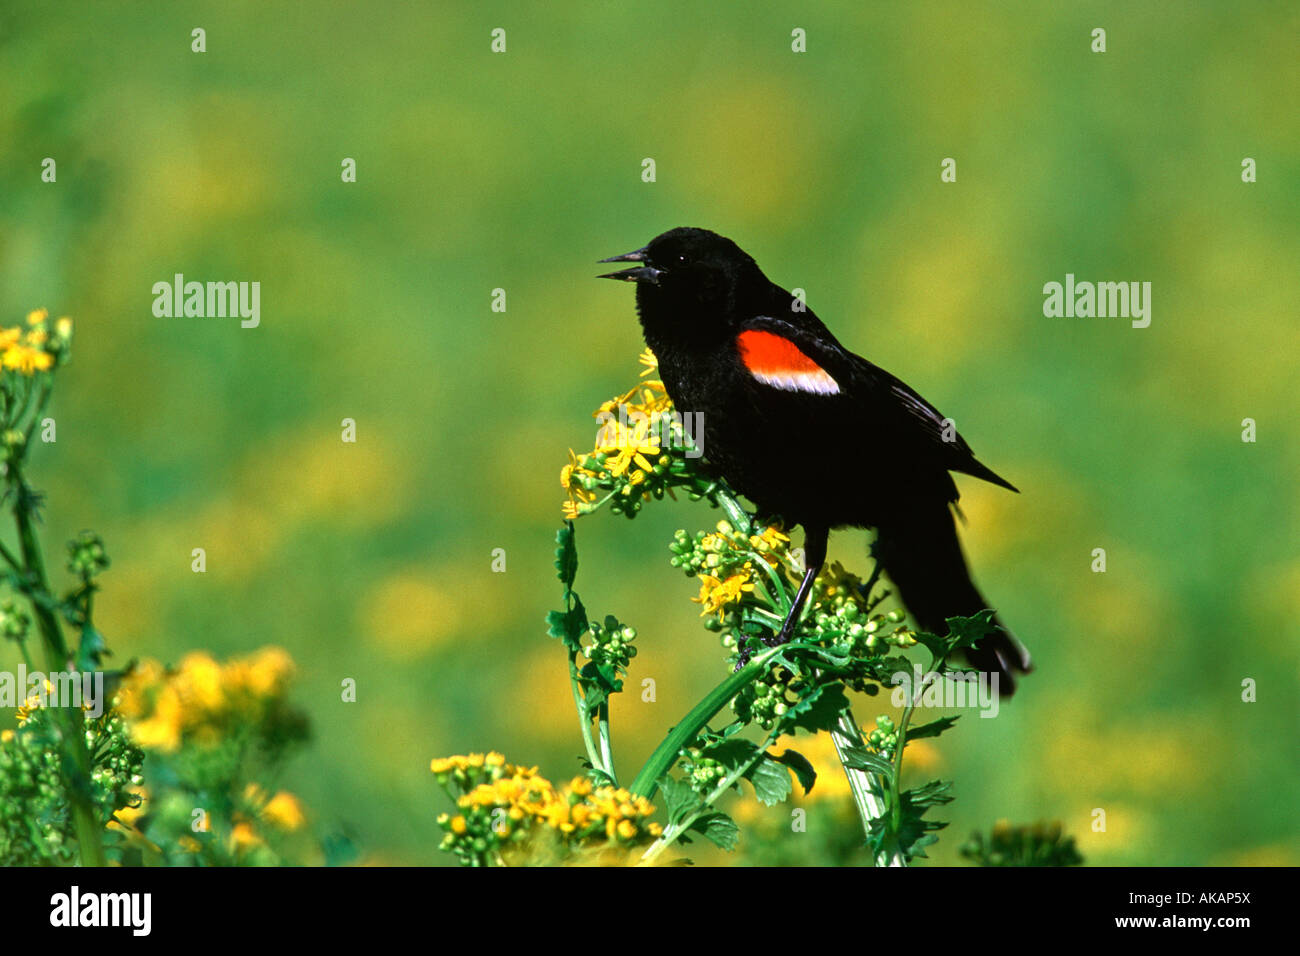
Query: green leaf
{"points": [[91, 649], [680, 801], [666, 754], [933, 729], [718, 828], [771, 780], [968, 631], [566, 555], [598, 777], [803, 770], [732, 753], [568, 626], [599, 681], [932, 794], [914, 831], [937, 646], [818, 710], [858, 758]]}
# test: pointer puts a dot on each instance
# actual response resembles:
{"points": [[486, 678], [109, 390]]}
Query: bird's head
{"points": [[689, 276]]}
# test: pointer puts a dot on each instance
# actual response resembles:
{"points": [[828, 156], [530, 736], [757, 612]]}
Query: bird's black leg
{"points": [[814, 546]]}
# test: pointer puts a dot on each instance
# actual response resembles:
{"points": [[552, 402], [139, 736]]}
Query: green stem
{"points": [[738, 515], [10, 558], [606, 748], [665, 755], [865, 787], [27, 656], [593, 757], [77, 776], [673, 831]]}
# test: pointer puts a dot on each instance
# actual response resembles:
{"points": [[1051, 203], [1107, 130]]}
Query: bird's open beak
{"points": [[636, 273]]}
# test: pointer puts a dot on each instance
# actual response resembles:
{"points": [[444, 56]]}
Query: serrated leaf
{"points": [[566, 555], [933, 729], [568, 626], [934, 793], [966, 632], [732, 753], [803, 770], [719, 829], [857, 758], [914, 831], [819, 710], [771, 780], [679, 799], [937, 646]]}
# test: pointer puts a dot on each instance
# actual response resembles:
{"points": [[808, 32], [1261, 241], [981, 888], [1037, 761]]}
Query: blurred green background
{"points": [[478, 171]]}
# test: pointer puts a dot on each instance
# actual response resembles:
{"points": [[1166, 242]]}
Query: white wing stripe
{"points": [[818, 382]]}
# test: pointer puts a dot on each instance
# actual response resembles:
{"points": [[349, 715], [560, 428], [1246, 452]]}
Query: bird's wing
{"points": [[804, 355]]}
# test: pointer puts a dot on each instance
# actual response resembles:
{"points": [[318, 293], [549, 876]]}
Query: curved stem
{"points": [[665, 755], [592, 756], [674, 831]]}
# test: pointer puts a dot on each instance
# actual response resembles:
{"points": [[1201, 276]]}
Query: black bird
{"points": [[810, 432]]}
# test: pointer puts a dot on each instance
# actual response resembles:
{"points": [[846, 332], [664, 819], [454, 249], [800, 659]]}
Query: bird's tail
{"points": [[922, 556]]}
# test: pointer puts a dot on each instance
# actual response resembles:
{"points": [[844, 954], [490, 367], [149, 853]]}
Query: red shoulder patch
{"points": [[776, 361]]}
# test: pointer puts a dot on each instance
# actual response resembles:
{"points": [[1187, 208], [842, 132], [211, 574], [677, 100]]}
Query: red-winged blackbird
{"points": [[810, 432]]}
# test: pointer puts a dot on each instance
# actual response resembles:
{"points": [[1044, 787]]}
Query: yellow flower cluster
{"points": [[32, 704], [717, 594], [728, 570], [284, 810], [625, 444], [197, 699], [611, 810], [505, 803], [37, 347]]}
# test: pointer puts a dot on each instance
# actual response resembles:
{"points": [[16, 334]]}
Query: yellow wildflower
{"points": [[610, 407], [717, 594], [771, 538], [162, 729], [34, 702], [628, 446], [199, 681], [262, 674], [284, 810], [243, 836], [27, 360]]}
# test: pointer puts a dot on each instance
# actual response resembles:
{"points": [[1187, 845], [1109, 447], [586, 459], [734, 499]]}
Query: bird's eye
{"points": [[681, 258]]}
